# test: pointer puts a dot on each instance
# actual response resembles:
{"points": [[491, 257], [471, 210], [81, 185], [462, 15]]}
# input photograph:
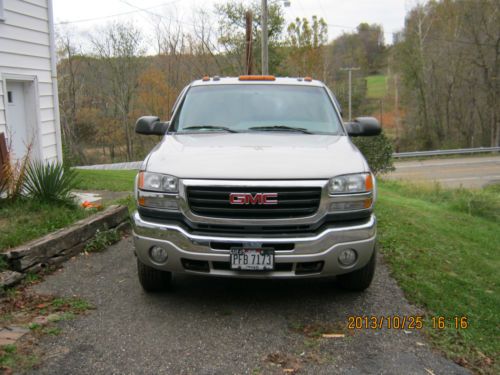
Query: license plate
{"points": [[252, 259]]}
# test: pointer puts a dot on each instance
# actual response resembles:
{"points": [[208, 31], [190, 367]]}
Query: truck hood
{"points": [[255, 156]]}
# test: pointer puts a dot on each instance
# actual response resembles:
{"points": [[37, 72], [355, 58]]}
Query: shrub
{"points": [[49, 182], [377, 151]]}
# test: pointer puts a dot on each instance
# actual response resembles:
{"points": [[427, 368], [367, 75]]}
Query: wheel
{"points": [[153, 280], [360, 279]]}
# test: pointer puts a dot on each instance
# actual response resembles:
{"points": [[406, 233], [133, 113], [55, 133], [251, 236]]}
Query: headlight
{"points": [[158, 182], [351, 183]]}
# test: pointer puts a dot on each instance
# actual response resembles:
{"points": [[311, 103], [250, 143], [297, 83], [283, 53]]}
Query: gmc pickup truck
{"points": [[255, 177]]}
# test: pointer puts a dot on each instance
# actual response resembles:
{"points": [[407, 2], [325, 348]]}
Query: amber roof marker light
{"points": [[257, 78]]}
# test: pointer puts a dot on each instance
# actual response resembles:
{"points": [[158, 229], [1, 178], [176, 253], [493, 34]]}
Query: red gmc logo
{"points": [[258, 198]]}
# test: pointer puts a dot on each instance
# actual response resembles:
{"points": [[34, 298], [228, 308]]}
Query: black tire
{"points": [[153, 280], [359, 280]]}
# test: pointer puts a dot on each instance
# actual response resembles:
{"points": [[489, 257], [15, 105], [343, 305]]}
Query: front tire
{"points": [[153, 280], [359, 280]]}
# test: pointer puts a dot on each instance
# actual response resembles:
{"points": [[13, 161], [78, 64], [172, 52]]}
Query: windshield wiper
{"points": [[280, 128], [224, 128]]}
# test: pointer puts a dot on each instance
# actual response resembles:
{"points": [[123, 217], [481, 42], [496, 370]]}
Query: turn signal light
{"points": [[257, 78], [369, 182], [368, 203], [140, 181]]}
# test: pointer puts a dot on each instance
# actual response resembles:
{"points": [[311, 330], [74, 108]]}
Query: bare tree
{"points": [[120, 47]]}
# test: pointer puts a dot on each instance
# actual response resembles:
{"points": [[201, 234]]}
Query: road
{"points": [[224, 326], [469, 172]]}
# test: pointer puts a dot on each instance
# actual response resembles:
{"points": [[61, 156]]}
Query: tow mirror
{"points": [[363, 127], [151, 125]]}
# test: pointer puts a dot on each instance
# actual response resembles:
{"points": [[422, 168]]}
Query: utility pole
{"points": [[249, 49], [350, 69], [265, 43], [396, 109]]}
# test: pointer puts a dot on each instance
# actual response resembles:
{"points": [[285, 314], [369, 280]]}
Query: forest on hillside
{"points": [[436, 86]]}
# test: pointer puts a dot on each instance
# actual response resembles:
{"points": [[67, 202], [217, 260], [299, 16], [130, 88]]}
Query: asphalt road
{"points": [[224, 326], [469, 172]]}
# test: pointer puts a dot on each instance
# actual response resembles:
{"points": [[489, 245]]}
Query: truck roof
{"points": [[236, 81]]}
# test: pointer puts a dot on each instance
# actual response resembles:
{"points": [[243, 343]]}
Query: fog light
{"points": [[348, 206], [159, 201], [347, 257], [158, 254]]}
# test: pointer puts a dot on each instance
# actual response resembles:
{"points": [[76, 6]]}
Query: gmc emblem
{"points": [[258, 198]]}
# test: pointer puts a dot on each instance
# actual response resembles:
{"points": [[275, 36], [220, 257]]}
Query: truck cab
{"points": [[255, 177]]}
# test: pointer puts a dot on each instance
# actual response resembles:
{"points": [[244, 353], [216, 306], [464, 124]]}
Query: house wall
{"points": [[25, 51]]}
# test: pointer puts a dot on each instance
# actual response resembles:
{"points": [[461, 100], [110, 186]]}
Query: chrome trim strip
{"points": [[206, 239]]}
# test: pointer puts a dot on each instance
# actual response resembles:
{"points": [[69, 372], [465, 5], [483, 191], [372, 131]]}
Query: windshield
{"points": [[247, 108]]}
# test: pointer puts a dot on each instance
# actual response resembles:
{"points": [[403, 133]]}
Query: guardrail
{"points": [[413, 154], [456, 151]]}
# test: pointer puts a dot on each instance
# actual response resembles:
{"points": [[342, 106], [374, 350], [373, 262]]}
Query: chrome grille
{"points": [[292, 202]]}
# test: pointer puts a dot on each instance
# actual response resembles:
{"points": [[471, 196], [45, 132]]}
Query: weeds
{"points": [[14, 176], [101, 240], [54, 331]]}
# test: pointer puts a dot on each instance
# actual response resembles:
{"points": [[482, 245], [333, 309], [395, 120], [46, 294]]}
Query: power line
{"points": [[117, 14]]}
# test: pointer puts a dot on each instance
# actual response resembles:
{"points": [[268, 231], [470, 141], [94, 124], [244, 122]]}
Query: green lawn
{"points": [[23, 221], [26, 220], [447, 261], [106, 180], [376, 86]]}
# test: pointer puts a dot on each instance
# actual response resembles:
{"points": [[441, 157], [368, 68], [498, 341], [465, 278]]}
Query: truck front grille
{"points": [[291, 202]]}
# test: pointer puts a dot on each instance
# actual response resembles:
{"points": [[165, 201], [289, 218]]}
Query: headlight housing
{"points": [[158, 182], [351, 184], [351, 192]]}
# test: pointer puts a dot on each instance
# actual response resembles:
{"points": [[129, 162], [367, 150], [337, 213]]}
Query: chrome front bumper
{"points": [[324, 246]]}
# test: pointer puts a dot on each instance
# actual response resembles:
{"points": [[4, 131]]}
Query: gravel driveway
{"points": [[223, 326]]}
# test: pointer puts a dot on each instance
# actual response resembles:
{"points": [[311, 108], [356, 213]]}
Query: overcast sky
{"points": [[341, 15]]}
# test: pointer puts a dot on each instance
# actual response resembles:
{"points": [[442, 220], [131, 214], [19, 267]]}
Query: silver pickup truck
{"points": [[255, 177]]}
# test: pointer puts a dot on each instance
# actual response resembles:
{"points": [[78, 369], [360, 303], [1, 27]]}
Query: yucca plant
{"points": [[49, 182]]}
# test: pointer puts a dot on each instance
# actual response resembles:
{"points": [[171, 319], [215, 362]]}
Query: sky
{"points": [[341, 15]]}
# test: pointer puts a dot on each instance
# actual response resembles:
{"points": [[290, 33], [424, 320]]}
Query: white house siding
{"points": [[25, 50]]}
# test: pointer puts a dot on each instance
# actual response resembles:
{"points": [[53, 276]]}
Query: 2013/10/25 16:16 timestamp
{"points": [[406, 322]]}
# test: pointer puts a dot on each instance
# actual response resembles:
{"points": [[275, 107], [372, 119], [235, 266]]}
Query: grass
{"points": [[20, 307], [445, 257], [24, 220], [376, 86], [122, 180], [11, 357]]}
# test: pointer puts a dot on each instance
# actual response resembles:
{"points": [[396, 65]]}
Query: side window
{"points": [[177, 100], [176, 109], [337, 103], [2, 14]]}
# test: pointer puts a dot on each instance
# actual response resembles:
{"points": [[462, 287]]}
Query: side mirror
{"points": [[363, 127], [151, 125]]}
